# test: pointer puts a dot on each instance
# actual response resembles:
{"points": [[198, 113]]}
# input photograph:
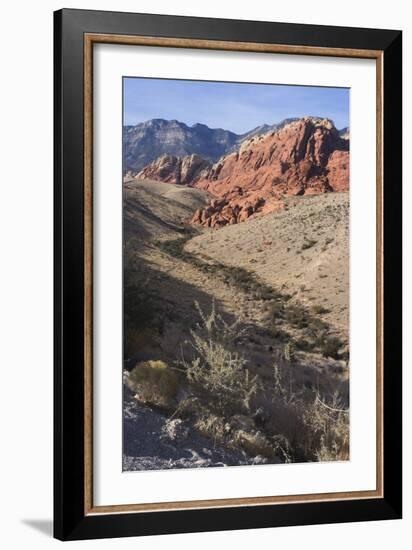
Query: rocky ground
{"points": [[283, 277], [154, 441]]}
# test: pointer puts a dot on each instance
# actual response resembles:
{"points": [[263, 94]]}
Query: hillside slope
{"points": [[302, 249], [151, 208]]}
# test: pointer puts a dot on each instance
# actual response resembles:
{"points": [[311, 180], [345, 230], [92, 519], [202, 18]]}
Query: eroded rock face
{"points": [[338, 170], [172, 169], [307, 156], [223, 212], [145, 142]]}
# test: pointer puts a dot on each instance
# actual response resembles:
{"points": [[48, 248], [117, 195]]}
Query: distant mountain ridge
{"points": [[147, 141], [265, 128]]}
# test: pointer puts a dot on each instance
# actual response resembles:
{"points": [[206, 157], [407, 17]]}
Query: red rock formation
{"points": [[224, 212], [172, 169], [338, 170], [305, 157]]}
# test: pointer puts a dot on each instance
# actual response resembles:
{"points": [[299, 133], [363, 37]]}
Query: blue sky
{"points": [[232, 106]]}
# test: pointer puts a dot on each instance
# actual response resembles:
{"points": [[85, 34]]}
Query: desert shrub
{"points": [[283, 417], [282, 449], [328, 427], [308, 244], [216, 369], [320, 310], [264, 293], [277, 310], [289, 351], [304, 344], [311, 428], [212, 426], [280, 389], [278, 333], [154, 383], [239, 277], [330, 346], [174, 247], [318, 326], [297, 316]]}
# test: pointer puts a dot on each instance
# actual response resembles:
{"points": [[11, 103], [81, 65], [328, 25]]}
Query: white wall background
{"points": [[26, 323]]}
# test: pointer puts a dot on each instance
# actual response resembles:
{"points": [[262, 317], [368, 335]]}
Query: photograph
{"points": [[236, 208], [227, 273]]}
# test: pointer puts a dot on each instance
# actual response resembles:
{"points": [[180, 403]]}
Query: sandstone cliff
{"points": [[307, 156]]}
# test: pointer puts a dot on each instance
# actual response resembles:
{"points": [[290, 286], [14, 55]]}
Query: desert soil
{"points": [[300, 252]]}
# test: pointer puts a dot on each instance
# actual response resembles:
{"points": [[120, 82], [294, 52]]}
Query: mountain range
{"points": [[306, 156], [148, 140]]}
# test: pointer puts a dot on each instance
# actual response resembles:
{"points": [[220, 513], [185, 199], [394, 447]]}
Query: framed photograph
{"points": [[227, 274]]}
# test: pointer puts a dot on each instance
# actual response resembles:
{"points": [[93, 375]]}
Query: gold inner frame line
{"points": [[89, 40]]}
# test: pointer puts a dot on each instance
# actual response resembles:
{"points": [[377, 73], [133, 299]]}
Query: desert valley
{"points": [[236, 294]]}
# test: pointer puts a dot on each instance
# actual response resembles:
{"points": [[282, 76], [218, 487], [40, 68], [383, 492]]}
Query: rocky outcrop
{"points": [[172, 169], [224, 212], [307, 156], [338, 170], [304, 156]]}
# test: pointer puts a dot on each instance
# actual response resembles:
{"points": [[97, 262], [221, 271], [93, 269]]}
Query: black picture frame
{"points": [[70, 520]]}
